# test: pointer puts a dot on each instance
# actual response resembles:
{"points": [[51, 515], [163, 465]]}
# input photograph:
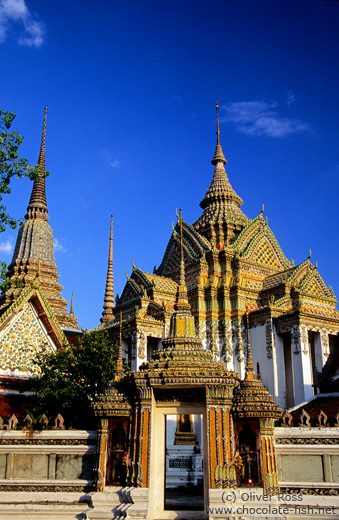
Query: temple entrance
{"points": [[184, 472], [178, 462]]}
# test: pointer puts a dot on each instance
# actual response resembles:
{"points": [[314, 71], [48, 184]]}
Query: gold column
{"points": [[269, 472], [102, 455]]}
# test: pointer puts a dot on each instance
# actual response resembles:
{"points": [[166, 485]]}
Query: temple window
{"points": [[152, 346]]}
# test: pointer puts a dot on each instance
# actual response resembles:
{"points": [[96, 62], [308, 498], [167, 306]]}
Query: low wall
{"points": [[61, 460], [308, 460]]}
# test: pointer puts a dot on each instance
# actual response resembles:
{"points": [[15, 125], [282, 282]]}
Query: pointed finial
{"points": [[107, 313], [41, 160], [133, 262], [309, 254], [37, 207], [72, 305], [218, 131], [182, 259], [262, 208], [316, 264], [119, 368], [219, 158], [249, 360]]}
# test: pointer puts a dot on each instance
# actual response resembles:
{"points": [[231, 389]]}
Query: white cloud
{"points": [[17, 11], [262, 118], [6, 247], [58, 246], [290, 98], [113, 163]]}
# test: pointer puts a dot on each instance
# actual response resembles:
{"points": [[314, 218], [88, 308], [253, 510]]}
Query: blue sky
{"points": [[131, 87]]}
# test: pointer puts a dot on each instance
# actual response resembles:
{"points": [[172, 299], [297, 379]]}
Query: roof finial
{"points": [[249, 360], [182, 301], [219, 158], [218, 131], [72, 305], [119, 368], [182, 258], [107, 313], [37, 207]]}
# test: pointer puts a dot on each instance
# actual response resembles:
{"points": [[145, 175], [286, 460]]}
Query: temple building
{"points": [[212, 346], [33, 313], [233, 263]]}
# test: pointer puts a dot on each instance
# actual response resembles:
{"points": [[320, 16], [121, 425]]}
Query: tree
{"points": [[72, 376], [11, 165]]}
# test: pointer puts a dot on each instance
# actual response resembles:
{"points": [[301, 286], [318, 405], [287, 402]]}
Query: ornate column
{"points": [[269, 468], [142, 454], [219, 433], [302, 366], [102, 455]]}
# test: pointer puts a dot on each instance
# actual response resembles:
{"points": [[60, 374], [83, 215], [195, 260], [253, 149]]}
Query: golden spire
{"points": [[72, 305], [37, 207], [249, 360], [119, 369], [107, 313], [218, 131], [218, 154], [182, 259], [182, 301]]}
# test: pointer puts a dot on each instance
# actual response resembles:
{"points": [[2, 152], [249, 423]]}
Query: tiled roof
{"points": [[329, 404]]}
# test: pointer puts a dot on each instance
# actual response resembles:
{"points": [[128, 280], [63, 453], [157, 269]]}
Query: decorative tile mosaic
{"points": [[25, 338]]}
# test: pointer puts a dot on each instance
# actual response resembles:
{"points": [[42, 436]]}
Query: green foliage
{"points": [[11, 165], [4, 280], [71, 377]]}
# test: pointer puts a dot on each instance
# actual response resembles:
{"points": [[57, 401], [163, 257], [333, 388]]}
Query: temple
{"points": [[211, 347], [234, 263], [192, 417], [33, 313]]}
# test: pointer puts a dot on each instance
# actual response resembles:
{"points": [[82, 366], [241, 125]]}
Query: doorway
{"points": [[184, 469], [170, 461]]}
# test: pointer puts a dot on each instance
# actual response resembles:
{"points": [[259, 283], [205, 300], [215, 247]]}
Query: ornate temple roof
{"points": [[34, 250], [195, 245], [220, 203]]}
